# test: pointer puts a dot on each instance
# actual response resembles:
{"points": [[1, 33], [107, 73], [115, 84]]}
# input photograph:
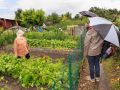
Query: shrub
{"points": [[7, 37], [48, 35]]}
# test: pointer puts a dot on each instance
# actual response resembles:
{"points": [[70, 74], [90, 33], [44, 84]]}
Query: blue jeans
{"points": [[94, 66]]}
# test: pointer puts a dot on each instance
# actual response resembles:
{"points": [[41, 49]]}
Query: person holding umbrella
{"points": [[101, 30], [92, 50]]}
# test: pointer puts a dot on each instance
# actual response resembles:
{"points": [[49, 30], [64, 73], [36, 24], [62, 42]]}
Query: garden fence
{"points": [[74, 65], [74, 61]]}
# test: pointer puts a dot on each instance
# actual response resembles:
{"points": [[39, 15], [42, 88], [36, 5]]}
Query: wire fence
{"points": [[74, 65], [74, 61]]}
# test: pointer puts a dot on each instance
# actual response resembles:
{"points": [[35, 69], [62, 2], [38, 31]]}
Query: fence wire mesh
{"points": [[74, 65], [74, 62]]}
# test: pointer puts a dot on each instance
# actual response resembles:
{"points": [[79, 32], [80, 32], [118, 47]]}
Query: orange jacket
{"points": [[20, 46]]}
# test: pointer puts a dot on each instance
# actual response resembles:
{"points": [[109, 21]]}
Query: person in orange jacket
{"points": [[20, 46]]}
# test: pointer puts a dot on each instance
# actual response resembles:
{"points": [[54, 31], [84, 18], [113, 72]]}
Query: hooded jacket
{"points": [[93, 43], [20, 44]]}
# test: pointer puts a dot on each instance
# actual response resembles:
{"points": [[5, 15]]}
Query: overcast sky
{"points": [[8, 7]]}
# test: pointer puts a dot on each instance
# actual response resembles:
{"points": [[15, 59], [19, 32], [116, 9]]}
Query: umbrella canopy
{"points": [[107, 30], [88, 14]]}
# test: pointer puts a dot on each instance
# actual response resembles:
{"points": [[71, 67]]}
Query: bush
{"points": [[7, 37], [64, 24], [51, 28], [48, 35]]}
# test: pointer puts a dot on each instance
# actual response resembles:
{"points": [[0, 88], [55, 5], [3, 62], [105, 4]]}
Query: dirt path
{"points": [[86, 84], [39, 52]]}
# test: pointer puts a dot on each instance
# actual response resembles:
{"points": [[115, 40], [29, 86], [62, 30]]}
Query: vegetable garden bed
{"points": [[41, 72]]}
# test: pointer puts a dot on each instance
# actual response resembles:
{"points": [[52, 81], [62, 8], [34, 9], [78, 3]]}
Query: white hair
{"points": [[20, 32]]}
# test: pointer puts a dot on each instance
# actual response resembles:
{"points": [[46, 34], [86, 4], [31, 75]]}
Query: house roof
{"points": [[7, 19]]}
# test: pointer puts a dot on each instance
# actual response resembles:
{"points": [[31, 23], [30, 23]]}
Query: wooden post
{"points": [[16, 22], [5, 24]]}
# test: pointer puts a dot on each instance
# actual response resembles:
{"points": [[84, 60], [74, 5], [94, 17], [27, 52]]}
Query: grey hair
{"points": [[19, 32]]}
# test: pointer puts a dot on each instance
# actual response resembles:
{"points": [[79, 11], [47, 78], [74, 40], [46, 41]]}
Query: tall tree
{"points": [[54, 18], [30, 17], [68, 15], [106, 13], [18, 14], [110, 14], [77, 16]]}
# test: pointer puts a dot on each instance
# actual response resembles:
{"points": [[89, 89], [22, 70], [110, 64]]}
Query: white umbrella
{"points": [[107, 30]]}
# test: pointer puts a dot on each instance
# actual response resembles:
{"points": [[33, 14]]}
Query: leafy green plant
{"points": [[30, 17], [42, 72], [56, 35], [7, 37], [68, 44], [1, 30]]}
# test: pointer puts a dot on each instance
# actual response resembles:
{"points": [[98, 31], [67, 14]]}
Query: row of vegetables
{"points": [[40, 39], [48, 35], [39, 72], [70, 44], [51, 39]]}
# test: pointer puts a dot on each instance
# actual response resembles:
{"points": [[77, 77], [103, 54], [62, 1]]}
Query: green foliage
{"points": [[54, 18], [1, 30], [51, 28], [40, 72], [106, 13], [64, 24], [110, 14], [48, 35], [68, 15], [30, 17], [7, 37], [77, 16], [51, 39], [113, 65], [18, 14], [116, 86], [117, 22], [68, 44]]}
